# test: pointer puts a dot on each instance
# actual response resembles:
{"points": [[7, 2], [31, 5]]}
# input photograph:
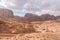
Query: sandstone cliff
{"points": [[6, 13]]}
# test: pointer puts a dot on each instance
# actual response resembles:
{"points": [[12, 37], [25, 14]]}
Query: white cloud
{"points": [[26, 5], [48, 12], [6, 3], [51, 5], [2, 3], [47, 6]]}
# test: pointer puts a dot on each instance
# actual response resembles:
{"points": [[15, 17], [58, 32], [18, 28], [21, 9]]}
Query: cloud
{"points": [[51, 5], [37, 6], [48, 12], [20, 4]]}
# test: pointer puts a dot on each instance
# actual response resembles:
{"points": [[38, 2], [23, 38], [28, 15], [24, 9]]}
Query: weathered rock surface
{"points": [[6, 13]]}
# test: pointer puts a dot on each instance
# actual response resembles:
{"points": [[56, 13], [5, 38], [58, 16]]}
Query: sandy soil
{"points": [[48, 30]]}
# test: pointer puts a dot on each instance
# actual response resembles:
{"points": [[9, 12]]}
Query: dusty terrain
{"points": [[43, 30], [24, 28]]}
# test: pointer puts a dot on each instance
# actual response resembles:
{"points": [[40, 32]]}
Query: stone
{"points": [[6, 13]]}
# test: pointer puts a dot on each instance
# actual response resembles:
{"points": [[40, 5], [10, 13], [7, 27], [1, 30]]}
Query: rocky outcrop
{"points": [[6, 13]]}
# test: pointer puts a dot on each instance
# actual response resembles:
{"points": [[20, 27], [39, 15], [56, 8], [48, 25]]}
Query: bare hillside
{"points": [[45, 30], [42, 30], [11, 26]]}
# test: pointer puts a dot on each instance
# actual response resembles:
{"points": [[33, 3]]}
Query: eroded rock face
{"points": [[6, 13]]}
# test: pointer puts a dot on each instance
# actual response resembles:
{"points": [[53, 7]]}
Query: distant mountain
{"points": [[29, 17], [6, 13], [44, 17]]}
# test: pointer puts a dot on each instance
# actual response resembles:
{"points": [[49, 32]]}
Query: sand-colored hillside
{"points": [[11, 26], [46, 30], [42, 30]]}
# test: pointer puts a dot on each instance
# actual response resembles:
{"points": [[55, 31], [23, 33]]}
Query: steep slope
{"points": [[6, 13], [12, 26]]}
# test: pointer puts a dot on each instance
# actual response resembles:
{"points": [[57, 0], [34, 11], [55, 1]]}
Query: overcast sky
{"points": [[20, 7]]}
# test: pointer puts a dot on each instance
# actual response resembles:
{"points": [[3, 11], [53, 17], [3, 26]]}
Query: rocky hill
{"points": [[6, 13], [11, 26]]}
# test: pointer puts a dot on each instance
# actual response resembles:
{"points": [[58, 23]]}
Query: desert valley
{"points": [[28, 27]]}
